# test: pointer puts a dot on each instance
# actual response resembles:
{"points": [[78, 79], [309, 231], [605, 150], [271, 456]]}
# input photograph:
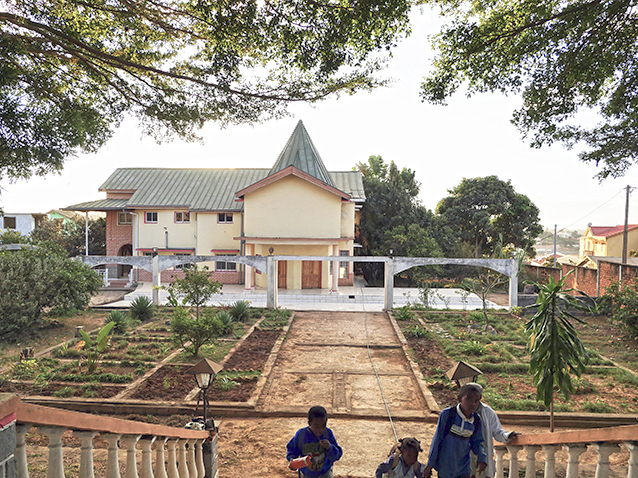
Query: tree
{"points": [[195, 289], [391, 202], [35, 280], [556, 351], [71, 70], [564, 57], [480, 210], [71, 235]]}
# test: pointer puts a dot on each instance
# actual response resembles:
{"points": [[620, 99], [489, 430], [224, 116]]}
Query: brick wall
{"points": [[116, 236], [541, 274], [349, 280]]}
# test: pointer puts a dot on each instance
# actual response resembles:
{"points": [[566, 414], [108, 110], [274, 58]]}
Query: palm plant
{"points": [[239, 310], [556, 351], [142, 308]]}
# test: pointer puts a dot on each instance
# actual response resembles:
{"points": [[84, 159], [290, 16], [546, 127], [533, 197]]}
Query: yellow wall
{"points": [[347, 219], [292, 207], [293, 277], [607, 246], [212, 235], [153, 235]]}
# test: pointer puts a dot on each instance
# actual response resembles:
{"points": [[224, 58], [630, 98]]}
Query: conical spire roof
{"points": [[302, 154]]}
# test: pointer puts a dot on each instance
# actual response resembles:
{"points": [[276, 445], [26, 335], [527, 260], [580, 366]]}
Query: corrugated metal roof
{"points": [[351, 183], [302, 154], [99, 205]]}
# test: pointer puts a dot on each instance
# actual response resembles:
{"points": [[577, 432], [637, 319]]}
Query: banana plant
{"points": [[94, 349]]}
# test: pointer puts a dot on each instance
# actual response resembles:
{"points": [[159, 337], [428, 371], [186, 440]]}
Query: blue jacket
{"points": [[453, 439], [306, 443]]}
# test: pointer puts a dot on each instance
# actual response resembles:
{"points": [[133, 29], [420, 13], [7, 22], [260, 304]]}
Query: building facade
{"points": [[296, 207]]}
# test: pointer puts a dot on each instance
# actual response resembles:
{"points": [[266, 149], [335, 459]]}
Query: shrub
{"points": [[417, 331], [142, 308], [32, 281], [120, 320], [404, 313], [224, 322], [240, 311], [225, 384], [191, 333], [64, 392], [624, 305], [472, 347]]}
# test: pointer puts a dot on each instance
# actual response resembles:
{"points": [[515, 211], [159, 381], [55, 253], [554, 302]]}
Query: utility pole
{"points": [[555, 246], [625, 232]]}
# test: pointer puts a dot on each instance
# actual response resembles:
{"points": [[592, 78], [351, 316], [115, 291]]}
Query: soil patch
{"points": [[52, 389], [238, 393], [254, 351], [170, 382]]}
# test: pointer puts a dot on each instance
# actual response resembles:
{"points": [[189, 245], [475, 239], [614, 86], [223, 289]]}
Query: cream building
{"points": [[607, 241], [295, 208]]}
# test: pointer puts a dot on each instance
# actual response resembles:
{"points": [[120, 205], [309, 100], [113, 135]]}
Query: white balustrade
{"points": [[530, 465], [160, 466], [55, 468], [21, 450], [112, 461], [604, 451], [86, 453], [147, 457], [513, 460], [192, 466], [182, 465], [550, 460], [129, 442], [499, 452], [199, 458], [172, 459], [632, 468], [574, 450]]}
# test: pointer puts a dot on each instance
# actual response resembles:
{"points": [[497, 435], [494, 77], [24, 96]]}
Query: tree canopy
{"points": [[564, 57], [480, 210], [70, 70]]}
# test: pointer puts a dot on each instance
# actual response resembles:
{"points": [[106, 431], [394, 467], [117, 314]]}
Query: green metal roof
{"points": [[99, 205], [302, 154]]}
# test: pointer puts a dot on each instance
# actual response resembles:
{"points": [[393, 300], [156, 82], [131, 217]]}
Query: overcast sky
{"points": [[443, 144]]}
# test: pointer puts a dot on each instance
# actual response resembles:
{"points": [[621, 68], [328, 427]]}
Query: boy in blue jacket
{"points": [[317, 441], [457, 432]]}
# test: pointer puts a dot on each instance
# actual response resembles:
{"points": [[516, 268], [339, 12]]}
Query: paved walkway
{"points": [[355, 298]]}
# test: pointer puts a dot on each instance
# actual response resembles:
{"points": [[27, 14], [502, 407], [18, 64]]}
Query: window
{"points": [[9, 222], [182, 217], [343, 265], [124, 219], [183, 266], [225, 217], [225, 266], [150, 217]]}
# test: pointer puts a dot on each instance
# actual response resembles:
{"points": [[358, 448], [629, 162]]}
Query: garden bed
{"points": [[501, 354], [170, 382], [62, 390]]}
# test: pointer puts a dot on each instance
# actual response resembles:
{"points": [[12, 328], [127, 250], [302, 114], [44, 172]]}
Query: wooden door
{"points": [[282, 271], [311, 275]]}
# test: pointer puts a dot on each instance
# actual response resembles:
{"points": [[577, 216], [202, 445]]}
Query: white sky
{"points": [[443, 144]]}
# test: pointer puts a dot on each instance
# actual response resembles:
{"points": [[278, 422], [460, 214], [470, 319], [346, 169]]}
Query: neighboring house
{"points": [[64, 216], [548, 261], [24, 223], [607, 241], [296, 207]]}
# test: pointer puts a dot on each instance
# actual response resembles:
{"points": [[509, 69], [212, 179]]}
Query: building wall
{"points": [[180, 235], [347, 219], [117, 235], [292, 207], [25, 223], [213, 235]]}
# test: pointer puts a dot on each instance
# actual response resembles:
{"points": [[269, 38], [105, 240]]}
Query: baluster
{"points": [[55, 468], [86, 453], [160, 466], [182, 466], [192, 467], [530, 465], [500, 453], [113, 462], [604, 450], [172, 459], [131, 459], [574, 450], [21, 450], [199, 458], [632, 463], [513, 473], [550, 460], [147, 457]]}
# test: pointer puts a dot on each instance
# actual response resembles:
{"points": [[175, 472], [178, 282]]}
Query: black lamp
{"points": [[205, 372]]}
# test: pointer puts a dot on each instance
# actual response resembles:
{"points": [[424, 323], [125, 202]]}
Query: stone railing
{"points": [[605, 441], [166, 452]]}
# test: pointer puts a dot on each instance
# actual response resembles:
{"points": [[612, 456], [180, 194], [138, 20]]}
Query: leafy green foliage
{"points": [[34, 280], [275, 319], [224, 322], [195, 289], [240, 311], [191, 333], [73, 70], [403, 313], [70, 235], [95, 348], [9, 236], [565, 58], [120, 320], [556, 351], [480, 210], [623, 301], [142, 308]]}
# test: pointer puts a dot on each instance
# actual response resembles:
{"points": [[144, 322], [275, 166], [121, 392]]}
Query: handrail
{"points": [[592, 435], [46, 416]]}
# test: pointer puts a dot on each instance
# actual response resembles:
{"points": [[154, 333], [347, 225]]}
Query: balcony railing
{"points": [[605, 441], [166, 452]]}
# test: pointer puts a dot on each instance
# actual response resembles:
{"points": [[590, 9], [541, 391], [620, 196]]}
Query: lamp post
{"points": [[463, 373], [205, 372]]}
